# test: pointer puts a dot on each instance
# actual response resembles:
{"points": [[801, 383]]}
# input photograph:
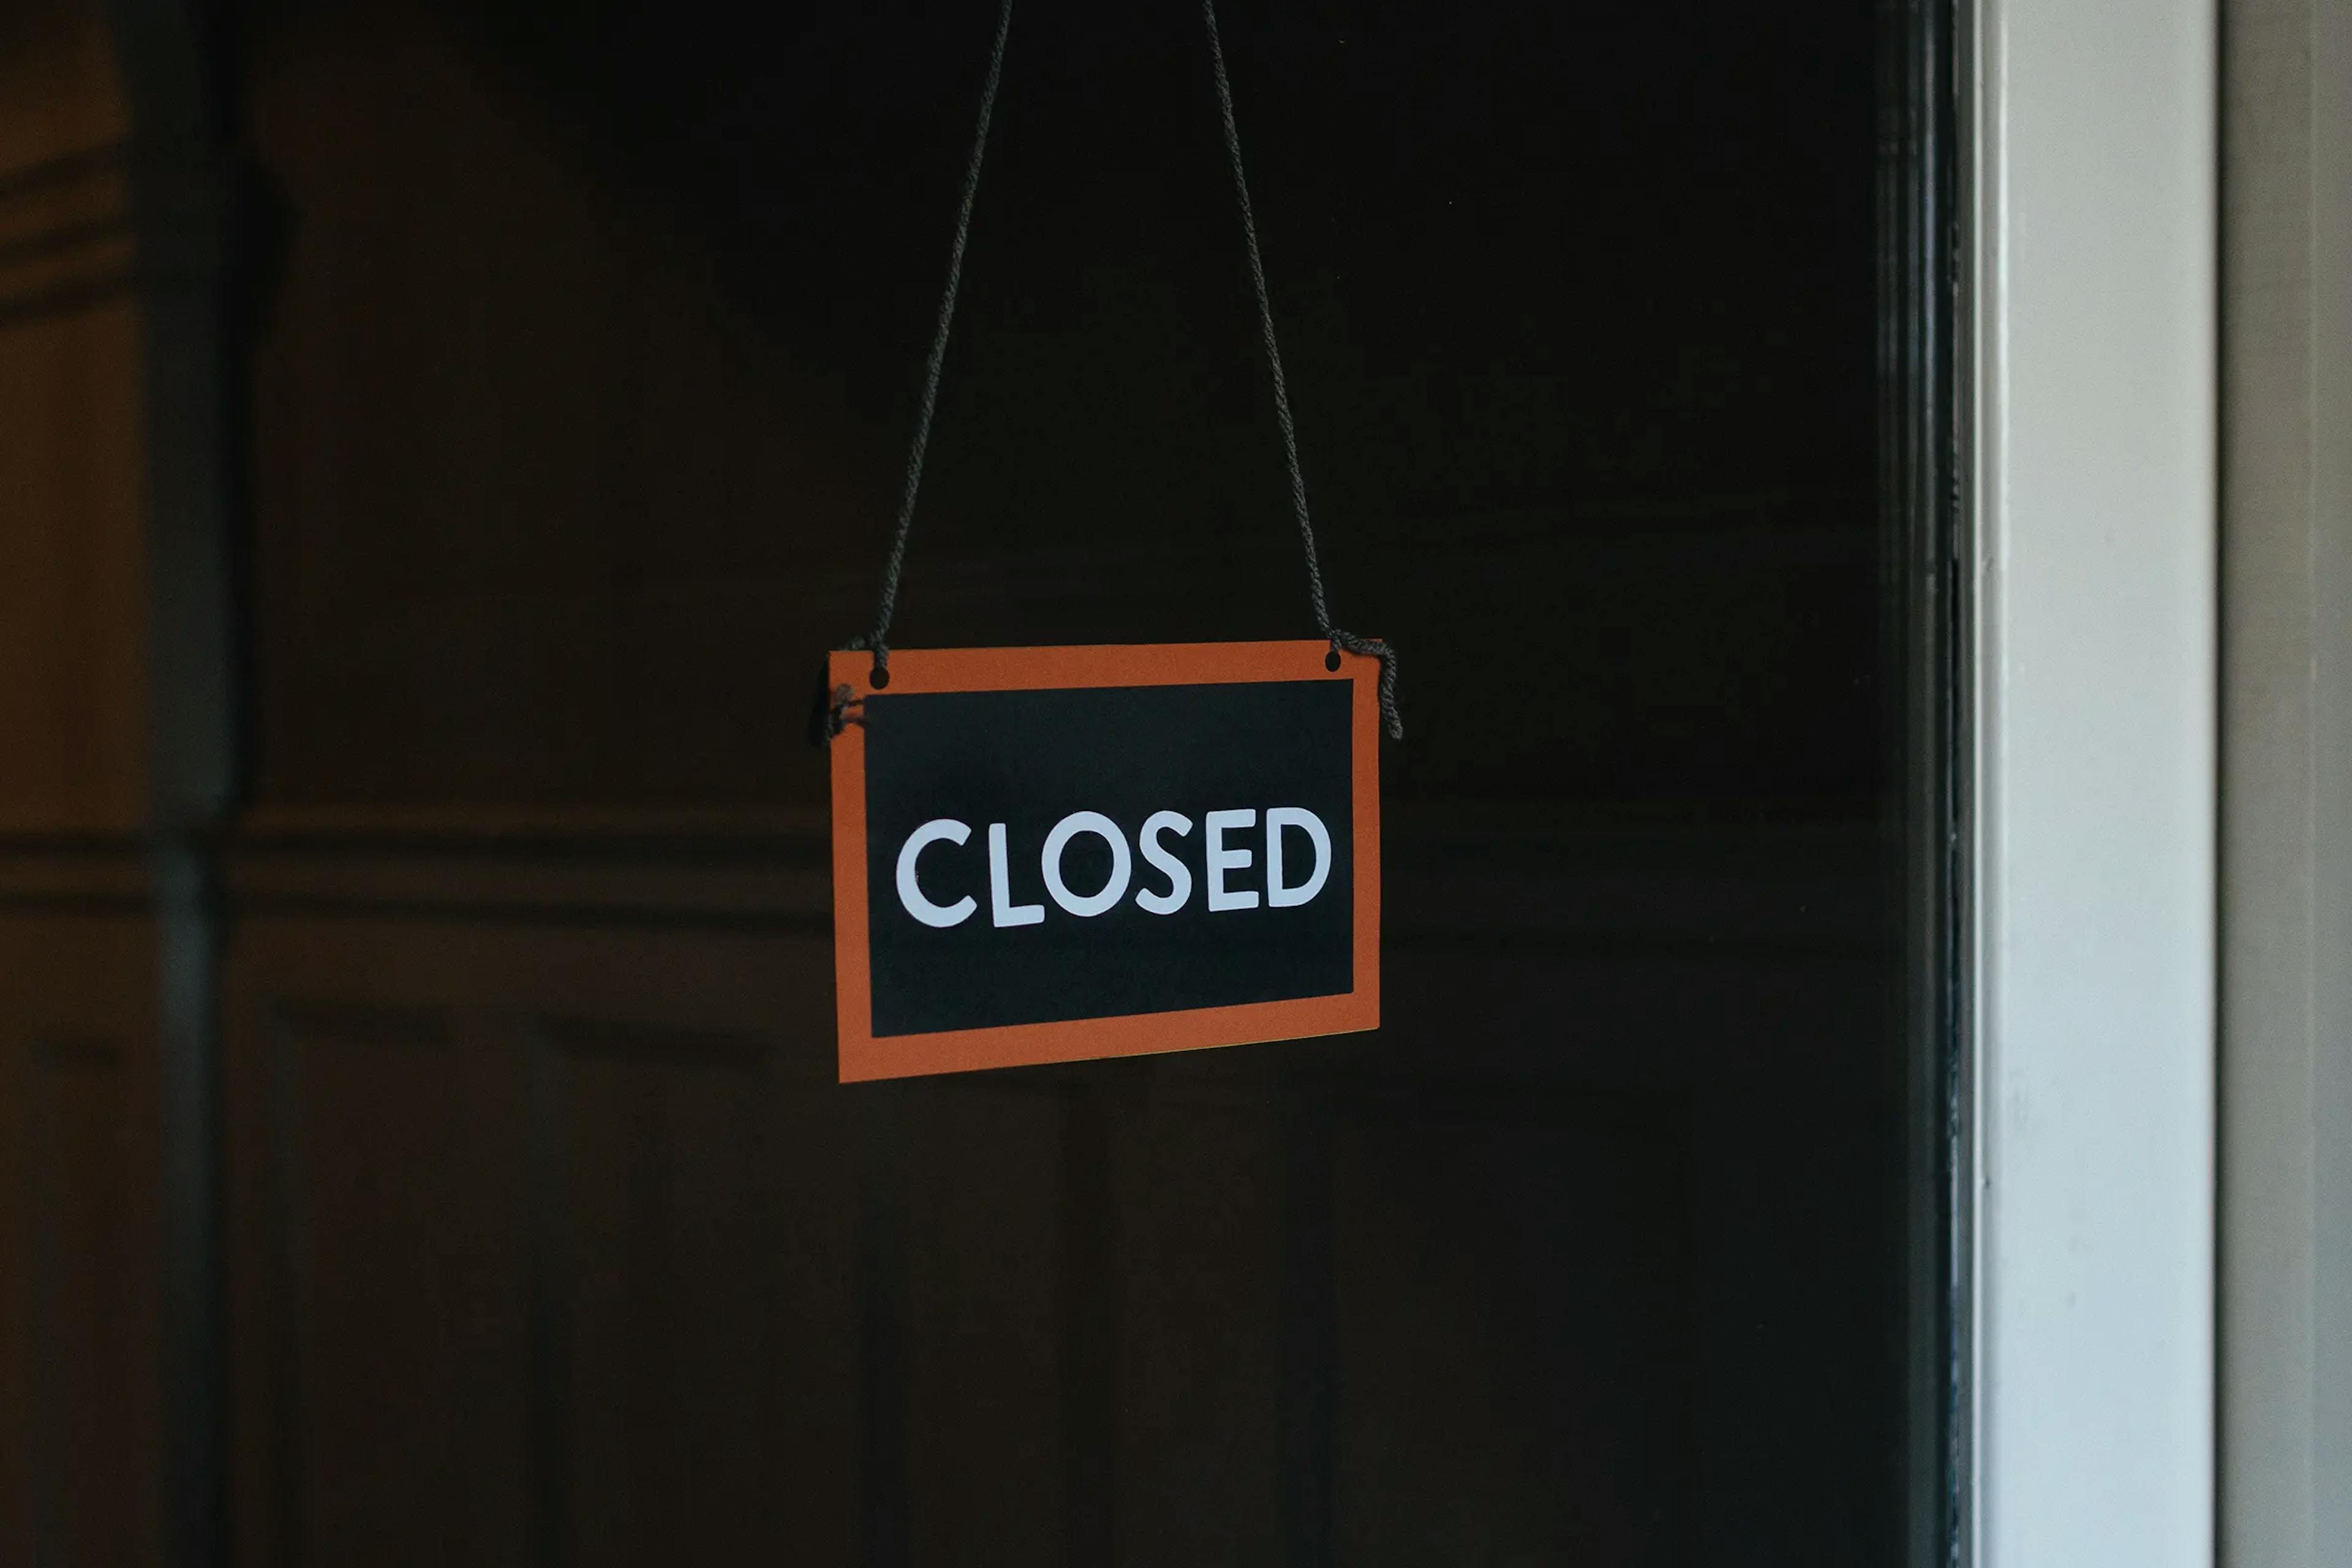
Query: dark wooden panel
{"points": [[71, 554], [1091, 1312], [19, 1491], [79, 1435], [813, 1487], [1198, 1159], [1784, 1059], [395, 1211], [72, 550], [544, 1246], [1514, 1336], [702, 1304], [86, 1351], [989, 1383]]}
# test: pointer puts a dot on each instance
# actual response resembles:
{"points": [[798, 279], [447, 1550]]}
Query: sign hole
{"points": [[881, 680], [1332, 659]]}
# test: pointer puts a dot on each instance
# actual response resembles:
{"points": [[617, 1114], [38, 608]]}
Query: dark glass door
{"points": [[577, 400]]}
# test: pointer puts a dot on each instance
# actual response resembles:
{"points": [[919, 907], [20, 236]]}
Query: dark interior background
{"points": [[619, 315], [568, 354]]}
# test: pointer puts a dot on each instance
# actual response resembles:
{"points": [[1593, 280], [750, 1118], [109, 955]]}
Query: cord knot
{"points": [[1373, 647]]}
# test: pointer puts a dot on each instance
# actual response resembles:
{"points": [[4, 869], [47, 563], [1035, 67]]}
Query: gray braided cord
{"points": [[879, 641], [834, 713], [1349, 641]]}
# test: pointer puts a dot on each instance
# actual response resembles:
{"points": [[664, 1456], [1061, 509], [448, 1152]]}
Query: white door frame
{"points": [[2094, 801]]}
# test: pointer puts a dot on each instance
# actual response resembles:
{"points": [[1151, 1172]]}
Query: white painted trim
{"points": [[2094, 801]]}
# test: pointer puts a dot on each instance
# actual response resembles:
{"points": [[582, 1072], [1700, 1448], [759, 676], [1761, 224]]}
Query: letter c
{"points": [[937, 916]]}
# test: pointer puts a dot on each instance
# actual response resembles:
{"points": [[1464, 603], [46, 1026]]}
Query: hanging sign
{"points": [[1046, 855]]}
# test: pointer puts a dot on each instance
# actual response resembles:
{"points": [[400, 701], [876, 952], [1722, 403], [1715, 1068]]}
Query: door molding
{"points": [[2095, 783], [1924, 280], [185, 187]]}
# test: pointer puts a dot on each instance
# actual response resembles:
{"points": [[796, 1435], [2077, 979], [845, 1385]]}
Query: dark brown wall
{"points": [[580, 406], [579, 363], [540, 518], [552, 1238], [72, 606], [80, 1253]]}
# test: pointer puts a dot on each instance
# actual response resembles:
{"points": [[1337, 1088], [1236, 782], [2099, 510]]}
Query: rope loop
{"points": [[1373, 647], [832, 708], [880, 676]]}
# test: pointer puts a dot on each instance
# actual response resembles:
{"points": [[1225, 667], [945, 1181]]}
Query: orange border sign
{"points": [[1023, 1045]]}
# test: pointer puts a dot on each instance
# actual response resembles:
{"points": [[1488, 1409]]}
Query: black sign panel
{"points": [[1059, 870]]}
